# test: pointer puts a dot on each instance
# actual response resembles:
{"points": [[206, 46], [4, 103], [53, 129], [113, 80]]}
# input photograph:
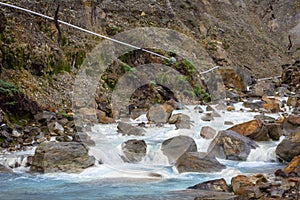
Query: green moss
{"points": [[9, 89]]}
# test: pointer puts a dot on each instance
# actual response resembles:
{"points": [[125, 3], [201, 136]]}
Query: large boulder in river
{"points": [[128, 129], [160, 113], [175, 147], [231, 145], [258, 130], [134, 150], [290, 147], [53, 157], [198, 162]]}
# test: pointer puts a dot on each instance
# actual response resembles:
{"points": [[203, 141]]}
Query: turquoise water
{"points": [[116, 180], [82, 186]]}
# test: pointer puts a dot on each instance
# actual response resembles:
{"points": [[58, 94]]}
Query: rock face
{"points": [[160, 113], [175, 147], [128, 129], [198, 162], [61, 157], [232, 146], [290, 147], [236, 77], [134, 150], [219, 185]]}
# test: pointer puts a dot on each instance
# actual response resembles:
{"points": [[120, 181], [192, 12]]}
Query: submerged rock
{"points": [[5, 169], [231, 145], [219, 185], [61, 157], [198, 162], [134, 150], [175, 147]]}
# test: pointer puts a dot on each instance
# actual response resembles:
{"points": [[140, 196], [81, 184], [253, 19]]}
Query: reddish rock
{"points": [[293, 167], [271, 105]]}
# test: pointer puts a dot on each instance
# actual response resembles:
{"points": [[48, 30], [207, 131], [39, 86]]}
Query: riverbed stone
{"points": [[293, 168], [219, 185], [160, 113], [181, 121], [208, 132], [289, 147], [175, 147], [198, 162], [231, 145], [134, 150], [128, 129], [53, 157]]}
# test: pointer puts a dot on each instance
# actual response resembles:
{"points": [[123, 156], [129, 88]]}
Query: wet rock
{"points": [[233, 97], [231, 145], [61, 157], [253, 105], [181, 121], [207, 117], [219, 185], [290, 147], [160, 113], [252, 129], [272, 105], [208, 132], [5, 169], [263, 87], [198, 162], [214, 112], [83, 137], [293, 168], [101, 115], [199, 109], [137, 112], [134, 150], [290, 124], [242, 181], [175, 147], [128, 129]]}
